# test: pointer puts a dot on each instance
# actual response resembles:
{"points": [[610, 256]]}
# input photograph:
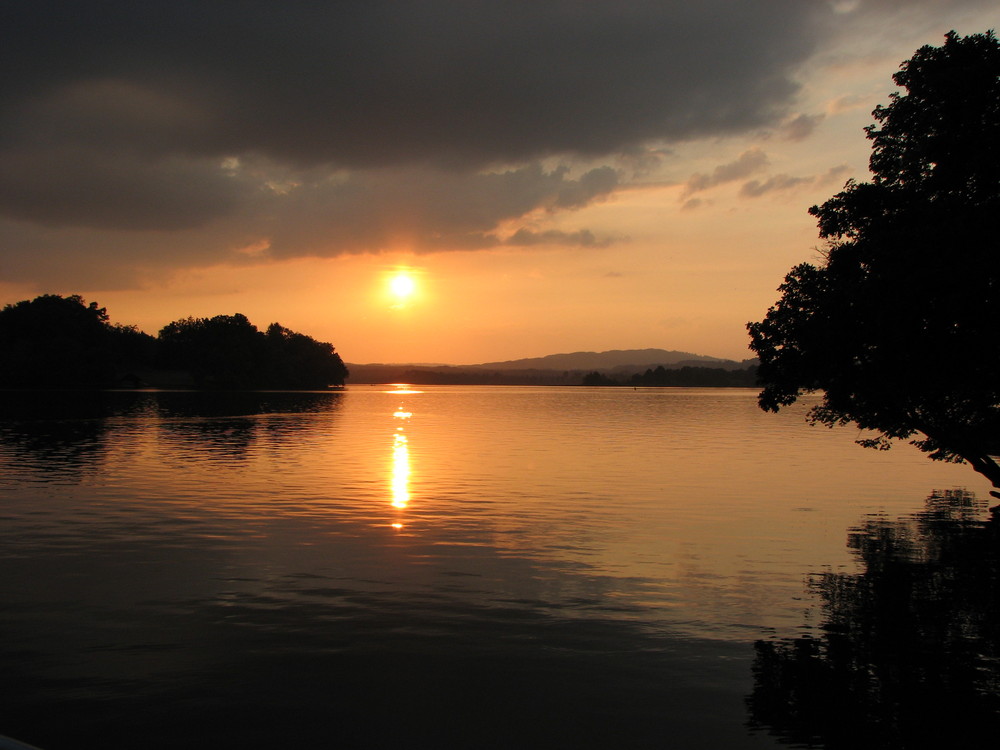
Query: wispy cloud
{"points": [[800, 127], [780, 182], [583, 238], [753, 160]]}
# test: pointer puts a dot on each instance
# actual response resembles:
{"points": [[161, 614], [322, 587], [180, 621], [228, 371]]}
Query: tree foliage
{"points": [[225, 351], [705, 377], [228, 351], [53, 341], [899, 326], [299, 361]]}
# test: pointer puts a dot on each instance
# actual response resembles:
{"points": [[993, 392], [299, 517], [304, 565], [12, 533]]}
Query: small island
{"points": [[64, 342]]}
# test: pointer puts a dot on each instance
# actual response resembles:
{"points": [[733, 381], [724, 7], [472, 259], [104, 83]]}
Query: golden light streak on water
{"points": [[404, 389], [400, 463], [400, 472]]}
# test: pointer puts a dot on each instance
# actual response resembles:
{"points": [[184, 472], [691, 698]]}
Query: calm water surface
{"points": [[456, 566]]}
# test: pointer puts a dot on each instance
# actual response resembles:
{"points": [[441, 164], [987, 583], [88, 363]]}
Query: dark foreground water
{"points": [[483, 567]]}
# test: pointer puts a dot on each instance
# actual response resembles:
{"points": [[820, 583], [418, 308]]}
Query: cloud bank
{"points": [[307, 128]]}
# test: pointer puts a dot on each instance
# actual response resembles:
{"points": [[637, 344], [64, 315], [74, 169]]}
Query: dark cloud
{"points": [[584, 238], [86, 188], [378, 82], [284, 213], [159, 134], [68, 259], [420, 208], [642, 161], [119, 114], [596, 182]]}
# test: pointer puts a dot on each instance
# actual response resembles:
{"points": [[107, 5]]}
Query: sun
{"points": [[402, 286]]}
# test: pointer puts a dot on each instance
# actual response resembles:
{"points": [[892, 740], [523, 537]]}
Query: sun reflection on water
{"points": [[402, 388], [400, 479], [400, 472]]}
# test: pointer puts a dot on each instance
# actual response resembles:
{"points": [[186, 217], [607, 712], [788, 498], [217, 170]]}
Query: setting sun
{"points": [[402, 286]]}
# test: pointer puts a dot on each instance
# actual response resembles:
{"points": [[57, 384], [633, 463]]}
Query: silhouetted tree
{"points": [[131, 348], [54, 341], [908, 652], [704, 377], [300, 361], [898, 327], [227, 351], [598, 378]]}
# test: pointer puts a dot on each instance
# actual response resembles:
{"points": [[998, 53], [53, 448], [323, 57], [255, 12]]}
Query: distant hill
{"points": [[616, 359], [555, 369]]}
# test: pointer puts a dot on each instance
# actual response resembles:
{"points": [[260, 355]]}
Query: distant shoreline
{"points": [[631, 376]]}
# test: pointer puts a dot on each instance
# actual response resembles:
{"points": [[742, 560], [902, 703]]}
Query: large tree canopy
{"points": [[54, 341], [228, 351], [900, 325]]}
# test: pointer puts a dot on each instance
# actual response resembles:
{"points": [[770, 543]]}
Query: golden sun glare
{"points": [[402, 286]]}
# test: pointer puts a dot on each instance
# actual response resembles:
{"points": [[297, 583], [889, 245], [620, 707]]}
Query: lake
{"points": [[497, 567]]}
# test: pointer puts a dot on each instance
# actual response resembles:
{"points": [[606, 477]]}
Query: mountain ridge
{"points": [[616, 366], [610, 359]]}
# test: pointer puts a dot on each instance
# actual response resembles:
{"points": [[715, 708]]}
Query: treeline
{"points": [[64, 342], [709, 377], [459, 376], [713, 377]]}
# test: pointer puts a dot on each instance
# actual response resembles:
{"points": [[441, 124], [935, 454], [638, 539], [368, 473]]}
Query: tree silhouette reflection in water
{"points": [[907, 656]]}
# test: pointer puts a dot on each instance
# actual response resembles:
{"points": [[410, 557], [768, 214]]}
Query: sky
{"points": [[551, 176]]}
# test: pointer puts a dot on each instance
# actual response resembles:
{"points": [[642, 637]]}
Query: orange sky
{"points": [[673, 240]]}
